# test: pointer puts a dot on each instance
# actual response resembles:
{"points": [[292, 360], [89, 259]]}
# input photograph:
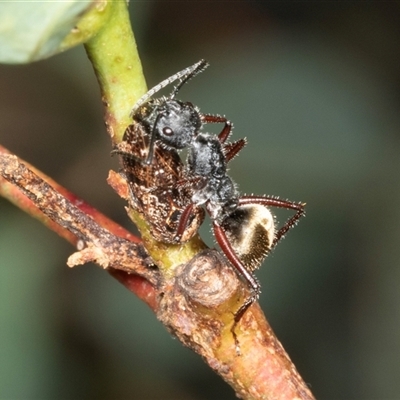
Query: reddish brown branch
{"points": [[197, 307], [98, 239], [196, 303], [16, 196]]}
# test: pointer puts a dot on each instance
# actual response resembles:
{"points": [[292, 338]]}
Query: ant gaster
{"points": [[243, 225]]}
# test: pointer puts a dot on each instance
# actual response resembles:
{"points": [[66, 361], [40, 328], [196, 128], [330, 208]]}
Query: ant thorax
{"points": [[207, 163], [206, 157]]}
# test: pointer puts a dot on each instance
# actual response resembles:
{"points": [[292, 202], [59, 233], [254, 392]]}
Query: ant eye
{"points": [[168, 131]]}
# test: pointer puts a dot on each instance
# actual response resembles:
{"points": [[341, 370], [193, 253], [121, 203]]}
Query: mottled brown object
{"points": [[207, 280], [157, 190]]}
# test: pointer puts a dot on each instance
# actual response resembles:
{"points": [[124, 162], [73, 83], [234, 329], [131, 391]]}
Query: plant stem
{"points": [[113, 53], [250, 359]]}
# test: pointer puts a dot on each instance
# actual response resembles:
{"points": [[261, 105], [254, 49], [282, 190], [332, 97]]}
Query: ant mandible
{"points": [[243, 226]]}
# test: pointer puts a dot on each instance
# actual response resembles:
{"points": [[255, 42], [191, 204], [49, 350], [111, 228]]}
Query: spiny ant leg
{"points": [[230, 254], [183, 222], [150, 151], [126, 154], [242, 310], [216, 119], [290, 223], [147, 161], [273, 202], [242, 271], [232, 149]]}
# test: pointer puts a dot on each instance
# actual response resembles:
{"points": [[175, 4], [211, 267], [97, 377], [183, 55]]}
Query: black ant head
{"points": [[173, 122], [250, 230], [176, 123]]}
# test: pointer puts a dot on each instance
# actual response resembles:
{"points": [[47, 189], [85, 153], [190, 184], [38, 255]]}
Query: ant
{"points": [[243, 226], [154, 173]]}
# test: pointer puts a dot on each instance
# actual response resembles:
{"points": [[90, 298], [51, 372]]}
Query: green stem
{"points": [[114, 55], [116, 62]]}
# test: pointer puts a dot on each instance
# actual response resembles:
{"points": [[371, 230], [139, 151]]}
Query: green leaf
{"points": [[31, 30]]}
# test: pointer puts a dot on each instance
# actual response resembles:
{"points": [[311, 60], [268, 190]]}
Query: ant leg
{"points": [[290, 223], [273, 202], [194, 182], [124, 148], [232, 149], [183, 221], [150, 150], [230, 254], [216, 119], [126, 154], [240, 268], [243, 272]]}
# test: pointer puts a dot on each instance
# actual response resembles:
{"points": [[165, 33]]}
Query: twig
{"points": [[197, 299], [196, 303], [97, 238]]}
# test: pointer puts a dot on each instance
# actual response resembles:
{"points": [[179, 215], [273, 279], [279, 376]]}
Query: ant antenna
{"points": [[194, 70], [184, 75]]}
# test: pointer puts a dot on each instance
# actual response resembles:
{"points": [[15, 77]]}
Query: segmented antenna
{"points": [[184, 75], [195, 70]]}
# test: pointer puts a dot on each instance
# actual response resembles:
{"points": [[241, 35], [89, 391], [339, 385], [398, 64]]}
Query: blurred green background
{"points": [[315, 87]]}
